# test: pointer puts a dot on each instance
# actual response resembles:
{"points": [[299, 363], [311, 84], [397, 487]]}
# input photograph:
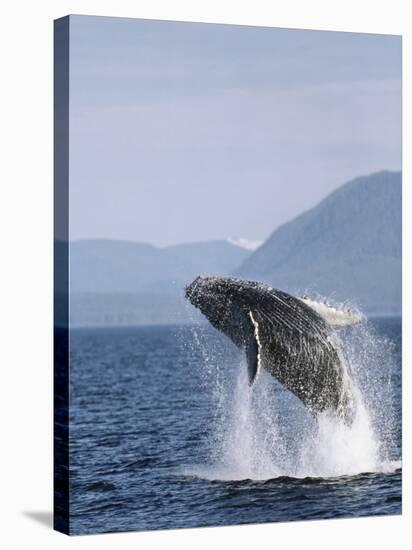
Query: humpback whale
{"points": [[292, 338]]}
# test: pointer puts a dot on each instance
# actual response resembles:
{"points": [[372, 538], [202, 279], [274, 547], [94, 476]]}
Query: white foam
{"points": [[337, 449]]}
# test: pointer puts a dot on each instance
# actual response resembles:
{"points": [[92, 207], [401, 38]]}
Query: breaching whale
{"points": [[289, 337]]}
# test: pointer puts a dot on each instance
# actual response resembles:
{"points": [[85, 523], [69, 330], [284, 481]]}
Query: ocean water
{"points": [[165, 433]]}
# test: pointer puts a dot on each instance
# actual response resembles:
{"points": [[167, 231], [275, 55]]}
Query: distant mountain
{"points": [[348, 247], [130, 308], [120, 282], [112, 266]]}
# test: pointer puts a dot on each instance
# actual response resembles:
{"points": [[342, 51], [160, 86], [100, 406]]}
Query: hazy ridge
{"points": [[348, 247], [121, 282]]}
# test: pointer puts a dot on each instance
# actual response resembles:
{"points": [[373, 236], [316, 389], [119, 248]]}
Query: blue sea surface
{"points": [[165, 433]]}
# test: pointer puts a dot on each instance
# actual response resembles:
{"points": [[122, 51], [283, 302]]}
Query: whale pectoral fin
{"points": [[253, 351]]}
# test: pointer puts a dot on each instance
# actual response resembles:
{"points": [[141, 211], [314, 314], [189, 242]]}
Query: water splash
{"points": [[336, 449], [264, 432], [250, 437]]}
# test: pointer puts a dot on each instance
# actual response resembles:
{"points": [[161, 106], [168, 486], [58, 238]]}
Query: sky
{"points": [[185, 132]]}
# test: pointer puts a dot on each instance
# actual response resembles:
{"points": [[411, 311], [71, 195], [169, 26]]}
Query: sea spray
{"points": [[373, 360], [251, 437], [263, 431], [336, 449]]}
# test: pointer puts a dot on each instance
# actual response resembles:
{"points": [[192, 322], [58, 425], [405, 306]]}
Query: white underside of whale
{"points": [[334, 316], [259, 345]]}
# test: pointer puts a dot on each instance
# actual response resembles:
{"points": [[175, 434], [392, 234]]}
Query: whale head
{"points": [[213, 296], [226, 303]]}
